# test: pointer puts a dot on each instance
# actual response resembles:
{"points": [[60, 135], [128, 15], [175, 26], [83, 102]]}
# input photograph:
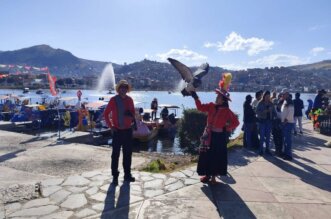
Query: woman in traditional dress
{"points": [[221, 121]]}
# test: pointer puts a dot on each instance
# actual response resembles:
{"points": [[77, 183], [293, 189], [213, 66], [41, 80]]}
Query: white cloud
{"points": [[316, 50], [184, 55], [235, 42], [209, 45], [268, 61], [316, 27], [277, 60]]}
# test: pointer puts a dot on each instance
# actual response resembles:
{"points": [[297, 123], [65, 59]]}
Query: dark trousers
{"points": [[122, 138], [154, 114], [278, 139]]}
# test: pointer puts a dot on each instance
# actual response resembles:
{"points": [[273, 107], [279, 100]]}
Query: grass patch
{"points": [[168, 163], [237, 142]]}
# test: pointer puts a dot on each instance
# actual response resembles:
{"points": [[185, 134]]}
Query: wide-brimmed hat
{"points": [[123, 83], [224, 93]]}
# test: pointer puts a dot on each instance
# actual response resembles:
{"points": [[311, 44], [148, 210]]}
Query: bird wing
{"points": [[184, 71], [201, 71]]}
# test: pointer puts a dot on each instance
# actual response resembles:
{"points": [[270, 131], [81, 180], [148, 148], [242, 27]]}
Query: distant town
{"points": [[28, 68]]}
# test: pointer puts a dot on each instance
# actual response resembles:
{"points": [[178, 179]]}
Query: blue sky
{"points": [[228, 33]]}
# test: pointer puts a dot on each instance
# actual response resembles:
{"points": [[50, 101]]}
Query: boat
{"points": [[39, 91], [167, 124], [146, 137], [26, 90], [110, 92]]}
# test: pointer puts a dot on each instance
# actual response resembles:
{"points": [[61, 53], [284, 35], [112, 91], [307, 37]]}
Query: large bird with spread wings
{"points": [[193, 80]]}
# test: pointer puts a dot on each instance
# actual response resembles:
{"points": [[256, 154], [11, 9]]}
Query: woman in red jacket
{"points": [[213, 159]]}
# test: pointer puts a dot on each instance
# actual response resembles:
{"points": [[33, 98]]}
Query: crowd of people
{"points": [[279, 116]]}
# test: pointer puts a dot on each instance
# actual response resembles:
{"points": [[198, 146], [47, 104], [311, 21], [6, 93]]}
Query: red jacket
{"points": [[112, 114], [224, 117]]}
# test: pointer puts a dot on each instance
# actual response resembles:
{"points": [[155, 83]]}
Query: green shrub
{"points": [[190, 129], [155, 166]]}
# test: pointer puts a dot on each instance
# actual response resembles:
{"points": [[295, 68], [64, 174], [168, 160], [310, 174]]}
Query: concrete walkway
{"points": [[257, 187]]}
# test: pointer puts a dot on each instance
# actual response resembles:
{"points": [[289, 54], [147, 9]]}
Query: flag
{"points": [[51, 81]]}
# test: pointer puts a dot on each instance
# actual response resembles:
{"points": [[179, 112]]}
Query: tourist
{"points": [[287, 116], [318, 100], [265, 113], [298, 106], [309, 108], [83, 118], [221, 120], [164, 113], [249, 121], [154, 106], [119, 116], [277, 127], [255, 132], [258, 96]]}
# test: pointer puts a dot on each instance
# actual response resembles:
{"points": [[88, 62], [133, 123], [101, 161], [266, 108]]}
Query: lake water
{"points": [[144, 98]]}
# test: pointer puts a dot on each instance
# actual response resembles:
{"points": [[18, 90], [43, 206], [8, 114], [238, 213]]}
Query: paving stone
{"points": [[18, 192], [105, 188], [75, 189], [51, 182], [39, 211], [74, 201], [100, 178], [170, 181], [137, 193], [10, 208], [37, 202], [23, 218], [190, 181], [146, 178], [136, 188], [59, 215], [99, 206], [59, 196], [92, 190], [151, 193], [47, 191], [154, 184], [178, 175], [91, 174], [159, 176], [100, 196], [96, 183], [195, 176], [174, 186], [2, 214], [145, 174], [188, 173], [76, 181], [85, 212]]}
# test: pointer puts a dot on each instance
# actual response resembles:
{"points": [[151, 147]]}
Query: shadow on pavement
{"points": [[229, 204], [308, 174], [10, 155], [122, 207]]}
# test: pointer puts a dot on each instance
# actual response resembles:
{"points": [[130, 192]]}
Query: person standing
{"points": [[309, 108], [119, 116], [154, 106], [265, 112], [298, 107], [213, 160], [287, 115], [249, 121]]}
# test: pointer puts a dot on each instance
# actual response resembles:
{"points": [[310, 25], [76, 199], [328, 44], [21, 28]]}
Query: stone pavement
{"points": [[257, 187]]}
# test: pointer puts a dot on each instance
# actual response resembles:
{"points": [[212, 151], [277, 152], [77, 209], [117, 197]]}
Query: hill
{"points": [[147, 74]]}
